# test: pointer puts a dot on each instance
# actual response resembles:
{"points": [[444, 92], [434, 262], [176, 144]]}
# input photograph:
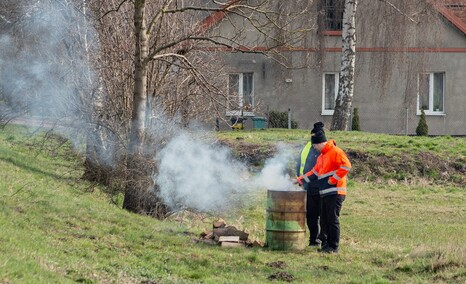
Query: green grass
{"points": [[357, 140], [380, 156], [55, 228]]}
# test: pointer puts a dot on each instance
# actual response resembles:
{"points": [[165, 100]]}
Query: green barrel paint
{"points": [[286, 220]]}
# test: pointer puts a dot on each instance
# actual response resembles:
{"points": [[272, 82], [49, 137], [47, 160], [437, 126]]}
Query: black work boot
{"points": [[328, 249], [314, 243]]}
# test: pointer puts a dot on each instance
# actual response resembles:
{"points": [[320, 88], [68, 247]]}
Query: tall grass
{"points": [[55, 228]]}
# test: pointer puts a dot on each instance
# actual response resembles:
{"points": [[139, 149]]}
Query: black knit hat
{"points": [[318, 133]]}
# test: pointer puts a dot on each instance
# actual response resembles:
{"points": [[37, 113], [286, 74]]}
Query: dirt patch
{"points": [[281, 276], [251, 154], [406, 166], [277, 264], [324, 267]]}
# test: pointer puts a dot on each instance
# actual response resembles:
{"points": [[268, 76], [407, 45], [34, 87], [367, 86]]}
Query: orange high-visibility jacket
{"points": [[331, 169]]}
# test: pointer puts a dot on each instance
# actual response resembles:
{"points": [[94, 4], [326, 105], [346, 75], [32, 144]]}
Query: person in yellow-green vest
{"points": [[305, 163], [330, 171]]}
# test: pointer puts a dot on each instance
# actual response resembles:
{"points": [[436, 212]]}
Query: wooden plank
{"points": [[232, 245], [233, 239]]}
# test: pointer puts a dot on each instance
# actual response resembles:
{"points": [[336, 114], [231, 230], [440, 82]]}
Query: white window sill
{"points": [[327, 112], [432, 113]]}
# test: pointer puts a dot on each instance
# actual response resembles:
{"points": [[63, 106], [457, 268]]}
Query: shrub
{"points": [[279, 119], [422, 129], [355, 121]]}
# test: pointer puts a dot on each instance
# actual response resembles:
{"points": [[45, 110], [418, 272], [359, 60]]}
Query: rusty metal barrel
{"points": [[286, 220]]}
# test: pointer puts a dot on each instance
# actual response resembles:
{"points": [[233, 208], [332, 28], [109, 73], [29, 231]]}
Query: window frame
{"points": [[336, 81], [240, 100], [431, 110], [337, 20]]}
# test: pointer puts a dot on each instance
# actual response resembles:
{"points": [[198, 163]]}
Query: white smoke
{"points": [[275, 174], [45, 76], [196, 173]]}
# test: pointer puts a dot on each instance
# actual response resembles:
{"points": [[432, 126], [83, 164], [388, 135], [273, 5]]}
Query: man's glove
{"points": [[303, 179]]}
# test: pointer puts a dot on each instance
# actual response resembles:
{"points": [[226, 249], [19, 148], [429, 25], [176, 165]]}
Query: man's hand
{"points": [[299, 180]]}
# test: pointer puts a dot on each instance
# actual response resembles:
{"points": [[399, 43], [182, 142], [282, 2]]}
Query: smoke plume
{"points": [[275, 174], [45, 73], [197, 173]]}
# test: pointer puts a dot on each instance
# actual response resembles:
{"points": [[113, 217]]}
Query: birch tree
{"points": [[344, 99]]}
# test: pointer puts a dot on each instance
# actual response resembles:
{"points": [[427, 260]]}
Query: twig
{"points": [[113, 10], [399, 11], [21, 189]]}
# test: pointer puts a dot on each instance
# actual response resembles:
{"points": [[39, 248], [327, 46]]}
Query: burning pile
{"points": [[226, 236]]}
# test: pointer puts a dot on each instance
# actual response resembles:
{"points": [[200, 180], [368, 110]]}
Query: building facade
{"points": [[404, 64]]}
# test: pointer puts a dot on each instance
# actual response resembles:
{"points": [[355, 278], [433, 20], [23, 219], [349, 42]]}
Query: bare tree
{"points": [[170, 43]]}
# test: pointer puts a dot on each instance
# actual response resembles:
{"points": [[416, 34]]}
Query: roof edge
{"points": [[217, 16], [452, 18]]}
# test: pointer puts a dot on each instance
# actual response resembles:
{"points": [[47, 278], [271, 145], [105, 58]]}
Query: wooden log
{"points": [[205, 233], [231, 231], [220, 223], [210, 235]]}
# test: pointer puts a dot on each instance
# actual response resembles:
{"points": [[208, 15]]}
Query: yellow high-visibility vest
{"points": [[304, 155]]}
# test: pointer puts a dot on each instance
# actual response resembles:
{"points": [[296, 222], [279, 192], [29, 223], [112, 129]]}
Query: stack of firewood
{"points": [[226, 236]]}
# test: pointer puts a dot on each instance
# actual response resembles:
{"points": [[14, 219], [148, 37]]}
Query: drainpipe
{"points": [[289, 118], [406, 126]]}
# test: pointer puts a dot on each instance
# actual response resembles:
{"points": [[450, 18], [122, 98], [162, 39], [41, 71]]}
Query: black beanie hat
{"points": [[317, 126], [318, 133]]}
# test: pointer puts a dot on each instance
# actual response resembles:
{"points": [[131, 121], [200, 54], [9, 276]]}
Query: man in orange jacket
{"points": [[329, 174]]}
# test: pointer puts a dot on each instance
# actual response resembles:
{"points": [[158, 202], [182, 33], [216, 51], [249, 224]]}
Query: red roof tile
{"points": [[454, 11], [216, 17]]}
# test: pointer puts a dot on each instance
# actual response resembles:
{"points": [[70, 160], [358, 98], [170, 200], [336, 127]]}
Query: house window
{"points": [[431, 91], [329, 92], [240, 94], [333, 10]]}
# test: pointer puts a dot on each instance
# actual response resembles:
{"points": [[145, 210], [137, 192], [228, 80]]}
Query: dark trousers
{"points": [[312, 216], [329, 223]]}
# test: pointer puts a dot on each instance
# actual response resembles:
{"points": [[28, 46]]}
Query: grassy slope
{"points": [[58, 229]]}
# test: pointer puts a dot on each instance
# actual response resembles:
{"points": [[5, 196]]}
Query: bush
{"points": [[422, 129], [355, 122], [279, 119]]}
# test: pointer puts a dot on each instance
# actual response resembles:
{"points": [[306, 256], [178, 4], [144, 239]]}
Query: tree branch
{"points": [[399, 11], [114, 10]]}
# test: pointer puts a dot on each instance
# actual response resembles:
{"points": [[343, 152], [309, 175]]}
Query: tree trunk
{"points": [[136, 174], [95, 169], [344, 100]]}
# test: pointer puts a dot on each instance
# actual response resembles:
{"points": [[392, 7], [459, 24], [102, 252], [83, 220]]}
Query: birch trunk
{"points": [[134, 192], [140, 80], [94, 168], [344, 99]]}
